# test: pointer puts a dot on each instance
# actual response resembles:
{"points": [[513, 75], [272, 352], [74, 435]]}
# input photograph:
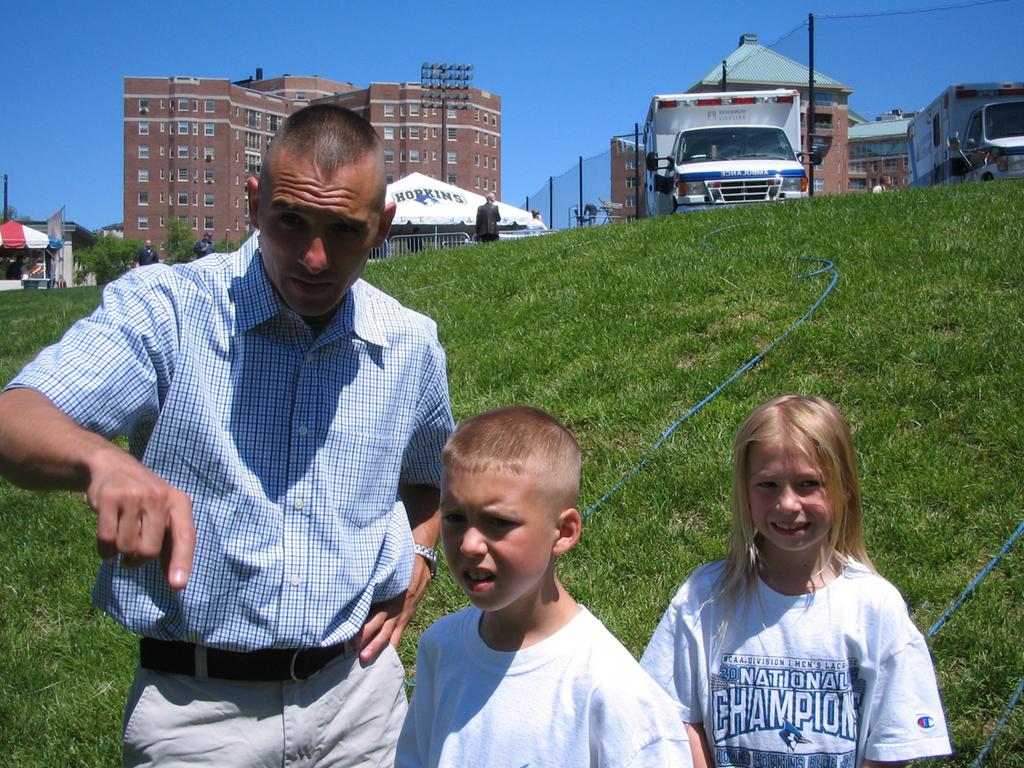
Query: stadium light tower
{"points": [[445, 86]]}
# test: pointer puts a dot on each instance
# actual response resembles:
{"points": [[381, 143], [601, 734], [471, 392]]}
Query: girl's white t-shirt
{"points": [[826, 679]]}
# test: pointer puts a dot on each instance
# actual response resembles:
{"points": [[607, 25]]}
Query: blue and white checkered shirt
{"points": [[291, 448]]}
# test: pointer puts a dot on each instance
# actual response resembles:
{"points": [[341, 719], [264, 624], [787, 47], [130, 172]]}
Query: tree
{"points": [[108, 259], [178, 242]]}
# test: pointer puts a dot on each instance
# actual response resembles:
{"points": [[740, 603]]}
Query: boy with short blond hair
{"points": [[525, 675]]}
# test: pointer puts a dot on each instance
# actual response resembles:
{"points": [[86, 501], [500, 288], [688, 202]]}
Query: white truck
{"points": [[971, 132], [716, 149]]}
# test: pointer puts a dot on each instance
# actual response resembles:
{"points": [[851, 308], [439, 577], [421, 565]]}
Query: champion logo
{"points": [[926, 722]]}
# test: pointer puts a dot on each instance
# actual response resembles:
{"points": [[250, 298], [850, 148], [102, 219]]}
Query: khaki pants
{"points": [[345, 715]]}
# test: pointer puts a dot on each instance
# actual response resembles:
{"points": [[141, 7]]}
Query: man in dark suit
{"points": [[487, 218]]}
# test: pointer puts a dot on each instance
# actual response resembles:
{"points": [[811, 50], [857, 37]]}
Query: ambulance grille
{"points": [[745, 190]]}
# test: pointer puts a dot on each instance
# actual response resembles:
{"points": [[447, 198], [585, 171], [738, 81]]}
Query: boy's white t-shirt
{"points": [[577, 698], [831, 678]]}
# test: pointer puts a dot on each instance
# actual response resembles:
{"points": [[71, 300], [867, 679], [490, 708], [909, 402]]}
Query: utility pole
{"points": [[810, 104], [6, 209]]}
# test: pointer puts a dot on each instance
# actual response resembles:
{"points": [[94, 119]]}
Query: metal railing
{"points": [[401, 245]]}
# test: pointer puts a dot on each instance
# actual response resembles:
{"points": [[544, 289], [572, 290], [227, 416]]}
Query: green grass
{"points": [[620, 330]]}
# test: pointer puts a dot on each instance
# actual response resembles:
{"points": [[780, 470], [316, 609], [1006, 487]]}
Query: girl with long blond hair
{"points": [[793, 650]]}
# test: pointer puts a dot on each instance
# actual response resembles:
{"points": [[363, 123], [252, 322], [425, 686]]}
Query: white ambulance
{"points": [[971, 132], [716, 149]]}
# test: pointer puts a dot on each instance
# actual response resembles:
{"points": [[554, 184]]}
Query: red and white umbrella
{"points": [[14, 234]]}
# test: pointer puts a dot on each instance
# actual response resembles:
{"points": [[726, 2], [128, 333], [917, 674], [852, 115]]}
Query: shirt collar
{"points": [[257, 302]]}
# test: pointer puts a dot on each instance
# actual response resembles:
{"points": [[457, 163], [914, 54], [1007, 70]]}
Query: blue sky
{"points": [[569, 75]]}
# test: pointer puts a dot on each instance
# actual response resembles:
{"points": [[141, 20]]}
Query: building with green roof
{"points": [[753, 66]]}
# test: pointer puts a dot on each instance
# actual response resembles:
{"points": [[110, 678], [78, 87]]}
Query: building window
{"points": [[143, 151], [143, 106], [300, 95], [453, 134], [183, 198], [391, 178], [414, 155], [252, 118], [208, 129], [819, 185], [252, 140], [143, 175], [143, 198], [478, 182], [414, 109], [183, 105], [208, 176], [453, 179], [414, 132], [273, 122], [144, 128], [389, 134], [143, 222], [208, 223], [208, 199], [183, 174], [195, 128], [453, 157], [183, 150], [208, 152], [630, 182], [183, 127], [389, 110], [389, 155], [476, 159], [401, 133], [161, 174]]}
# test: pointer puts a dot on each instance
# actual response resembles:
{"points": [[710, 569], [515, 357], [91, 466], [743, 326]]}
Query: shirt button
{"points": [[302, 431], [299, 504], [295, 581], [308, 358]]}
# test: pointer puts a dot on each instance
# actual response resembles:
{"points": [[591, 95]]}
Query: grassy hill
{"points": [[619, 331]]}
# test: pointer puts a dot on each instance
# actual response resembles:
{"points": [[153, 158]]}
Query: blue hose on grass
{"points": [[828, 267]]}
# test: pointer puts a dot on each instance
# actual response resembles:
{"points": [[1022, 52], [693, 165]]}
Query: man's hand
{"points": [[388, 620], [138, 513], [140, 516]]}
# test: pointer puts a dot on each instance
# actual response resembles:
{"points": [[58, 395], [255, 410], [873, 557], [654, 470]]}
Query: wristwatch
{"points": [[430, 555]]}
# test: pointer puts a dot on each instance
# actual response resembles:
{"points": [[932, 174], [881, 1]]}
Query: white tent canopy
{"points": [[422, 200]]}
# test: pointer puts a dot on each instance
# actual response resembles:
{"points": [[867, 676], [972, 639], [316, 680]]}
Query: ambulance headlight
{"points": [[1010, 163], [793, 184], [690, 188]]}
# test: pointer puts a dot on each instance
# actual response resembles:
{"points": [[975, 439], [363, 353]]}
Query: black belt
{"points": [[179, 658]]}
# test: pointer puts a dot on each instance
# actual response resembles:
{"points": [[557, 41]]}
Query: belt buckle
{"points": [[291, 666]]}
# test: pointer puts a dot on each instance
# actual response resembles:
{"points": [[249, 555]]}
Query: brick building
{"points": [[461, 146], [878, 153], [629, 190], [190, 143]]}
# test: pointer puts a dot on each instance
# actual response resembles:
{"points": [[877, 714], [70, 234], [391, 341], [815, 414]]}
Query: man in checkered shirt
{"points": [[278, 410]]}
